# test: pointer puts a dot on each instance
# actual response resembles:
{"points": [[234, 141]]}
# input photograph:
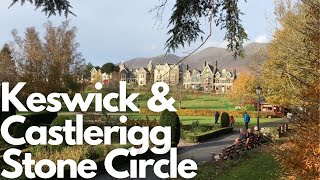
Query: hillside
{"points": [[142, 62], [210, 55]]}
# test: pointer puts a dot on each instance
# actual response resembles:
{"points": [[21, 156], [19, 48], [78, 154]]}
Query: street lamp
{"points": [[258, 91]]}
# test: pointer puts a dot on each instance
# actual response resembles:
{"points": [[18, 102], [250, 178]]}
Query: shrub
{"points": [[250, 108], [95, 152], [201, 137], [59, 121], [210, 113], [225, 119], [171, 119], [195, 126]]}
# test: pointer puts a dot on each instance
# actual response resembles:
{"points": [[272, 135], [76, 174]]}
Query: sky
{"points": [[115, 31]]}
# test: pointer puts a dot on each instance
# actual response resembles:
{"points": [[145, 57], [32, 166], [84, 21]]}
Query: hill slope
{"points": [[210, 55]]}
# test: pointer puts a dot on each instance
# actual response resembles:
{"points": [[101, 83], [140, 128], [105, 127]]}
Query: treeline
{"points": [[51, 63]]}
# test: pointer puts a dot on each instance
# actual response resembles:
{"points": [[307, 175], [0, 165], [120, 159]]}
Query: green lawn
{"points": [[201, 102], [253, 164], [186, 120], [203, 119]]}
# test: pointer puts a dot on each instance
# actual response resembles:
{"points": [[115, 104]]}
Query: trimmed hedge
{"points": [[171, 119], [225, 120], [205, 112], [195, 138]]}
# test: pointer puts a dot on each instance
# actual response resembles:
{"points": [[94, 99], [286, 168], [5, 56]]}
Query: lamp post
{"points": [[258, 91]]}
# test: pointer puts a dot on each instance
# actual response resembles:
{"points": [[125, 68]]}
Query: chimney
{"points": [[204, 64], [216, 64], [187, 66]]}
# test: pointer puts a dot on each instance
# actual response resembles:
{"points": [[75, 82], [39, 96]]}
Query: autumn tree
{"points": [[7, 65], [243, 89], [51, 63], [291, 76]]}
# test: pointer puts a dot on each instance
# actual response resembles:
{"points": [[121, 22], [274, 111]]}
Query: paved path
{"points": [[200, 153]]}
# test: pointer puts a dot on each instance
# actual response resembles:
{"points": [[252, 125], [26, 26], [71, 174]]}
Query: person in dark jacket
{"points": [[216, 117], [246, 119], [242, 136]]}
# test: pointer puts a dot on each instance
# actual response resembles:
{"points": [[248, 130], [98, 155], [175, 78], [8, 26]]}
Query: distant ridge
{"points": [[210, 55]]}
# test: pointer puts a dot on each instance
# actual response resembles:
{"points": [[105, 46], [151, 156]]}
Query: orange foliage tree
{"points": [[291, 75], [243, 90]]}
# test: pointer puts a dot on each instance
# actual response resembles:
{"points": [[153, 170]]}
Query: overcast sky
{"points": [[113, 31]]}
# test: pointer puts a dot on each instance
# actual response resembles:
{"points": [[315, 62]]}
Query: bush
{"points": [[225, 120], [201, 137], [171, 119], [41, 118], [210, 113], [95, 152], [250, 108], [59, 121]]}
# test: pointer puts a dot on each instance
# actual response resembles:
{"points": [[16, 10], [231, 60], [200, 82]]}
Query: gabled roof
{"points": [[143, 69], [197, 70], [208, 66], [123, 69], [224, 75], [97, 68]]}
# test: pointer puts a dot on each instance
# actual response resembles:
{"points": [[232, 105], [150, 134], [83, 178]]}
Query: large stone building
{"points": [[168, 73], [127, 74], [209, 79]]}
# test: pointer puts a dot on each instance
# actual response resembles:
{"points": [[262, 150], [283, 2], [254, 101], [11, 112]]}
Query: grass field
{"points": [[199, 102], [253, 164]]}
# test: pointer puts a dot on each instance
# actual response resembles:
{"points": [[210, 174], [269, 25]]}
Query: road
{"points": [[200, 153]]}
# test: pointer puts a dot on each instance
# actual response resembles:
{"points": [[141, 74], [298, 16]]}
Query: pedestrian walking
{"points": [[216, 117], [246, 119]]}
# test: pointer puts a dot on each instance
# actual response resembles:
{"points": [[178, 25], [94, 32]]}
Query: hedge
{"points": [[195, 138], [204, 112]]}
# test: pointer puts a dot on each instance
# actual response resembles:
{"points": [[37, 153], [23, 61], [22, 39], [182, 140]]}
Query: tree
{"points": [[50, 7], [108, 68], [291, 76], [7, 65], [88, 68], [7, 74], [49, 65], [185, 20], [243, 90], [179, 94]]}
